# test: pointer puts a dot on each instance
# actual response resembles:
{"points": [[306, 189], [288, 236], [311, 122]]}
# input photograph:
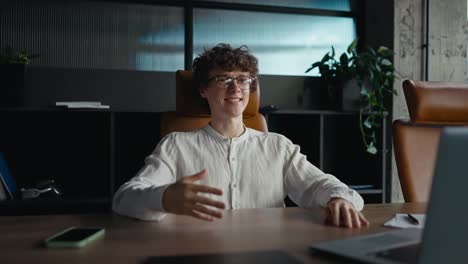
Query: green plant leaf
{"points": [[352, 46], [371, 74], [316, 64], [364, 91], [371, 148], [325, 71], [368, 123], [9, 56], [382, 49], [372, 52], [385, 52], [377, 68], [386, 62], [325, 58], [344, 60]]}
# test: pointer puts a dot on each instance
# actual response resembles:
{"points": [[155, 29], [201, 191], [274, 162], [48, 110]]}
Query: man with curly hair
{"points": [[226, 165]]}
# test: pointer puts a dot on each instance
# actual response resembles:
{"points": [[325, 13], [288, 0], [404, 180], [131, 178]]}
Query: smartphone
{"points": [[74, 237]]}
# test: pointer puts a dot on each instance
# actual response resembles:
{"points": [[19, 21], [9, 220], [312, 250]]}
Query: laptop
{"points": [[445, 235]]}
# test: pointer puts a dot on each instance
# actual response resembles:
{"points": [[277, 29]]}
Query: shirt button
{"points": [[233, 159], [234, 185]]}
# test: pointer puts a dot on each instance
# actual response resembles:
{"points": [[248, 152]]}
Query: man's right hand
{"points": [[182, 198]]}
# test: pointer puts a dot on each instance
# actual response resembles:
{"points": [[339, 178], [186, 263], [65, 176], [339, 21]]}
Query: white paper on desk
{"points": [[402, 221]]}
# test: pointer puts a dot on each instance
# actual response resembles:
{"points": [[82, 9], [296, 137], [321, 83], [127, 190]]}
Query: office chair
{"points": [[192, 111], [431, 106]]}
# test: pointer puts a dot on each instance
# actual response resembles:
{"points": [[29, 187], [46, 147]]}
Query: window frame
{"points": [[189, 6]]}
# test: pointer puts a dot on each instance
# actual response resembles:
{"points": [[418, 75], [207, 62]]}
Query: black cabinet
{"points": [[332, 141], [89, 153]]}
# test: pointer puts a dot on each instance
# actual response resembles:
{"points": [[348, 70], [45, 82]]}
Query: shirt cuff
{"points": [[155, 198], [150, 216], [349, 195]]}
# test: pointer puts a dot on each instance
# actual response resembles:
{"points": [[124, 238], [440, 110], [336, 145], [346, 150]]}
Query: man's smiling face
{"points": [[227, 93]]}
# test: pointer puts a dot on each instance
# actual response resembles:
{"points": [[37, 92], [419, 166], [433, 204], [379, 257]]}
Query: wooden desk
{"points": [[131, 241]]}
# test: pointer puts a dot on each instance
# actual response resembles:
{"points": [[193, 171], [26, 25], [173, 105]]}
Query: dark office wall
{"points": [[123, 90], [378, 23], [142, 90]]}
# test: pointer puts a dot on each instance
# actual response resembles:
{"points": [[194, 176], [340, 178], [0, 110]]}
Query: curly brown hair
{"points": [[224, 57]]}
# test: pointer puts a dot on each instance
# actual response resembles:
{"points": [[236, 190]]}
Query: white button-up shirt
{"points": [[255, 170]]}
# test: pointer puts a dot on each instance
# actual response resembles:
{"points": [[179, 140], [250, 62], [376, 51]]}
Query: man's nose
{"points": [[233, 86]]}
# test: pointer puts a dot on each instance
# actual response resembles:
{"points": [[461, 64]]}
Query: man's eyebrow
{"points": [[231, 76]]}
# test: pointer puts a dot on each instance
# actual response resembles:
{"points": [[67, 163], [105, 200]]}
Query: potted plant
{"points": [[12, 73], [373, 74]]}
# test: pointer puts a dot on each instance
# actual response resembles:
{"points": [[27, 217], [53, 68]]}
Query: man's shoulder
{"points": [[181, 136], [268, 135]]}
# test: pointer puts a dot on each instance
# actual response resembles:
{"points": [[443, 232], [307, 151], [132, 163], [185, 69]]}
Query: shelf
{"points": [[316, 112], [332, 141], [370, 191]]}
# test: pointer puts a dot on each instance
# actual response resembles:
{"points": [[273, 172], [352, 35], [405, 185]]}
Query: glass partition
{"points": [[285, 44]]}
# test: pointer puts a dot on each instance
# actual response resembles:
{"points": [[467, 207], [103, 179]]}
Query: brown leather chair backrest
{"points": [[431, 106], [192, 111]]}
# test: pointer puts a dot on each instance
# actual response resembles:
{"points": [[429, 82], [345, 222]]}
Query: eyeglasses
{"points": [[225, 82]]}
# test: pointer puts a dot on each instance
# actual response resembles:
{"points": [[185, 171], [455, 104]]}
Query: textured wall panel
{"points": [[448, 37], [95, 35]]}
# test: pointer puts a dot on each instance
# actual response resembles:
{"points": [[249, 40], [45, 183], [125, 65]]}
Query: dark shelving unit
{"points": [[88, 153], [332, 141]]}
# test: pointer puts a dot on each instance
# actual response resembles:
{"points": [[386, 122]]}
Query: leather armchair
{"points": [[431, 106], [192, 111]]}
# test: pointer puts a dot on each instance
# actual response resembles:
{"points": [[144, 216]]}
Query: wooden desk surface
{"points": [[131, 241]]}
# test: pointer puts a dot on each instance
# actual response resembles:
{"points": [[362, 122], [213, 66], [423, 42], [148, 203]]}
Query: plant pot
{"points": [[335, 95], [12, 77], [315, 96], [351, 96]]}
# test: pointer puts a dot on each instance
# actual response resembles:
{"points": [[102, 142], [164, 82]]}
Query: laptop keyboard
{"points": [[406, 254], [385, 239]]}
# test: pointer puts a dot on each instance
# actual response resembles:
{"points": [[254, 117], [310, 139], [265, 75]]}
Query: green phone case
{"points": [[51, 243]]}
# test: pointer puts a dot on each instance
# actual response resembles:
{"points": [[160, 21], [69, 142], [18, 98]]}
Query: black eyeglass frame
{"points": [[230, 80]]}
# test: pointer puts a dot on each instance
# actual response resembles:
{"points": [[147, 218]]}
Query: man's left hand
{"points": [[343, 213]]}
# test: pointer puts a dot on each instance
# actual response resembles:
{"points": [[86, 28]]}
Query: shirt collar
{"points": [[213, 133]]}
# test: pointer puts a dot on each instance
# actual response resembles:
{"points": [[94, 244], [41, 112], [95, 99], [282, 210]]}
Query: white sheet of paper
{"points": [[402, 221]]}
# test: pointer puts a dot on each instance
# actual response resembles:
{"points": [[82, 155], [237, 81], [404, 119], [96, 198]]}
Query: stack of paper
{"points": [[82, 104], [403, 221]]}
